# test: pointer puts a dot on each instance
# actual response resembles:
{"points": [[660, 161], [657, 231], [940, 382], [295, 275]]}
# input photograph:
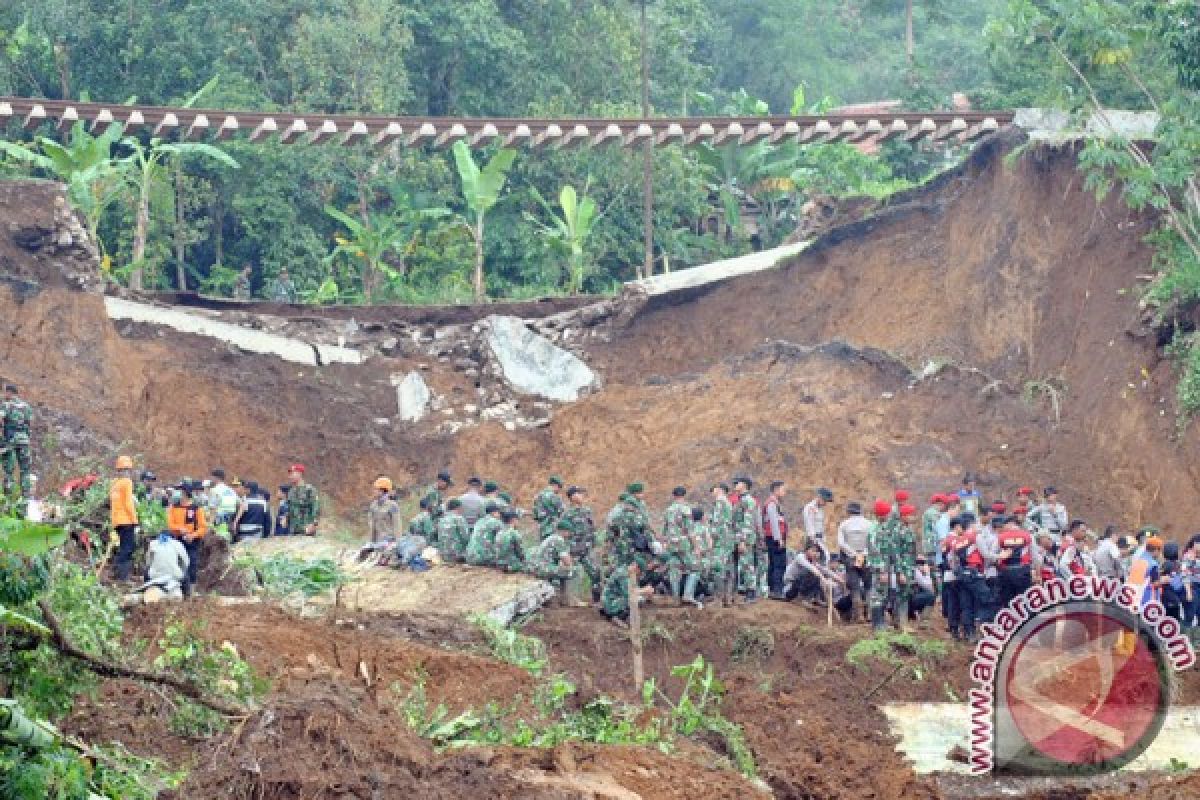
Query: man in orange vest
{"points": [[186, 521], [123, 517]]}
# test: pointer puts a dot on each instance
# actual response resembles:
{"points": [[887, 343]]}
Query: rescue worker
{"points": [[775, 529], [968, 565], [383, 514], [167, 565], [697, 559], [18, 418], [481, 547], [187, 522], [1051, 515], [422, 524], [632, 534], [891, 561], [551, 561], [253, 520], [747, 534], [1144, 576], [436, 496], [283, 290], [808, 578], [124, 517], [510, 547], [676, 521], [453, 534], [1014, 561], [304, 505], [222, 498], [927, 546], [580, 532], [548, 506], [723, 562], [969, 497], [852, 538]]}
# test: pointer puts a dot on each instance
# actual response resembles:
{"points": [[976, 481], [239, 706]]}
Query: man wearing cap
{"points": [[1051, 515], [124, 517], [437, 495], [304, 506], [491, 494], [383, 515], [481, 547], [17, 418], [423, 525], [890, 555], [747, 527], [551, 561], [548, 506], [852, 536], [723, 567], [676, 521], [586, 552], [253, 519], [510, 547], [775, 533], [222, 498], [452, 532], [473, 503], [632, 535]]}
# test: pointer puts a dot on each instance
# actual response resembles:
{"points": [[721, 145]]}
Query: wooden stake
{"points": [[829, 606], [635, 628]]}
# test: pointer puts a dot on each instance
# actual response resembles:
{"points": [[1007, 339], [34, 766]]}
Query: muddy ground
{"points": [[331, 725]]}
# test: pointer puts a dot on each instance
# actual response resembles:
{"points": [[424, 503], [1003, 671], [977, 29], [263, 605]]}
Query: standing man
{"points": [[927, 546], [968, 495], [18, 417], [241, 287], [437, 495], [814, 518], [852, 537], [548, 506], [988, 544], [1051, 515], [748, 534], [124, 518], [724, 558], [452, 532], [283, 290], [775, 529], [223, 499], [1015, 559], [253, 520], [580, 533], [890, 557], [472, 502], [676, 522], [304, 505], [963, 557], [383, 515], [633, 534], [187, 522]]}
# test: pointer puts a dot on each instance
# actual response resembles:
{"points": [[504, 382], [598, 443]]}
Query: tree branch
{"points": [[108, 669]]}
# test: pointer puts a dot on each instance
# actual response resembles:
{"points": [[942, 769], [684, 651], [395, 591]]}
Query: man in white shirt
{"points": [[852, 537], [814, 519], [806, 577], [1051, 515], [167, 563], [1107, 557]]}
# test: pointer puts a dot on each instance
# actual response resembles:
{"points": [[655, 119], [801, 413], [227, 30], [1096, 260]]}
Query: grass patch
{"points": [[753, 643], [509, 646], [901, 650], [282, 575]]}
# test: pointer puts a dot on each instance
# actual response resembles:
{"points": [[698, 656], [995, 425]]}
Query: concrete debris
{"points": [[532, 364], [412, 397]]}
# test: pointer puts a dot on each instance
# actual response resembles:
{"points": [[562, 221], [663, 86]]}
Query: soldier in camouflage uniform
{"points": [[676, 522], [747, 534], [510, 546], [614, 602], [423, 524], [695, 559], [631, 532], [551, 560], [722, 565], [891, 559], [452, 532], [481, 547], [548, 506], [436, 496], [18, 417], [304, 505], [586, 552]]}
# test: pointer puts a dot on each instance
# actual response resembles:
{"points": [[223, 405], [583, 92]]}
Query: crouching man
{"points": [[808, 578], [614, 601], [167, 568]]}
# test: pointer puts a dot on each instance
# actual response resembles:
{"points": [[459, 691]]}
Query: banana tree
{"points": [[84, 163], [147, 172], [569, 231], [481, 191], [370, 240]]}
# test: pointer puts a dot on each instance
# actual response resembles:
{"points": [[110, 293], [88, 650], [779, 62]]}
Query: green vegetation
{"points": [[753, 643], [510, 646], [696, 712], [283, 575], [903, 651]]}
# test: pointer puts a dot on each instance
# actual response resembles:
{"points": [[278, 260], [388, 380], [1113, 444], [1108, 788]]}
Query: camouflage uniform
{"points": [[481, 547], [890, 548], [746, 526], [632, 522], [928, 544], [679, 555], [510, 550], [546, 560], [17, 418], [580, 531], [433, 503], [722, 570], [383, 519], [423, 525], [614, 602], [304, 507], [453, 536], [547, 510]]}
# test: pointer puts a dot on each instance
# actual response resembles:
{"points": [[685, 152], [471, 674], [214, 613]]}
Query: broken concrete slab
{"points": [[717, 271], [532, 364], [252, 341], [412, 396]]}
